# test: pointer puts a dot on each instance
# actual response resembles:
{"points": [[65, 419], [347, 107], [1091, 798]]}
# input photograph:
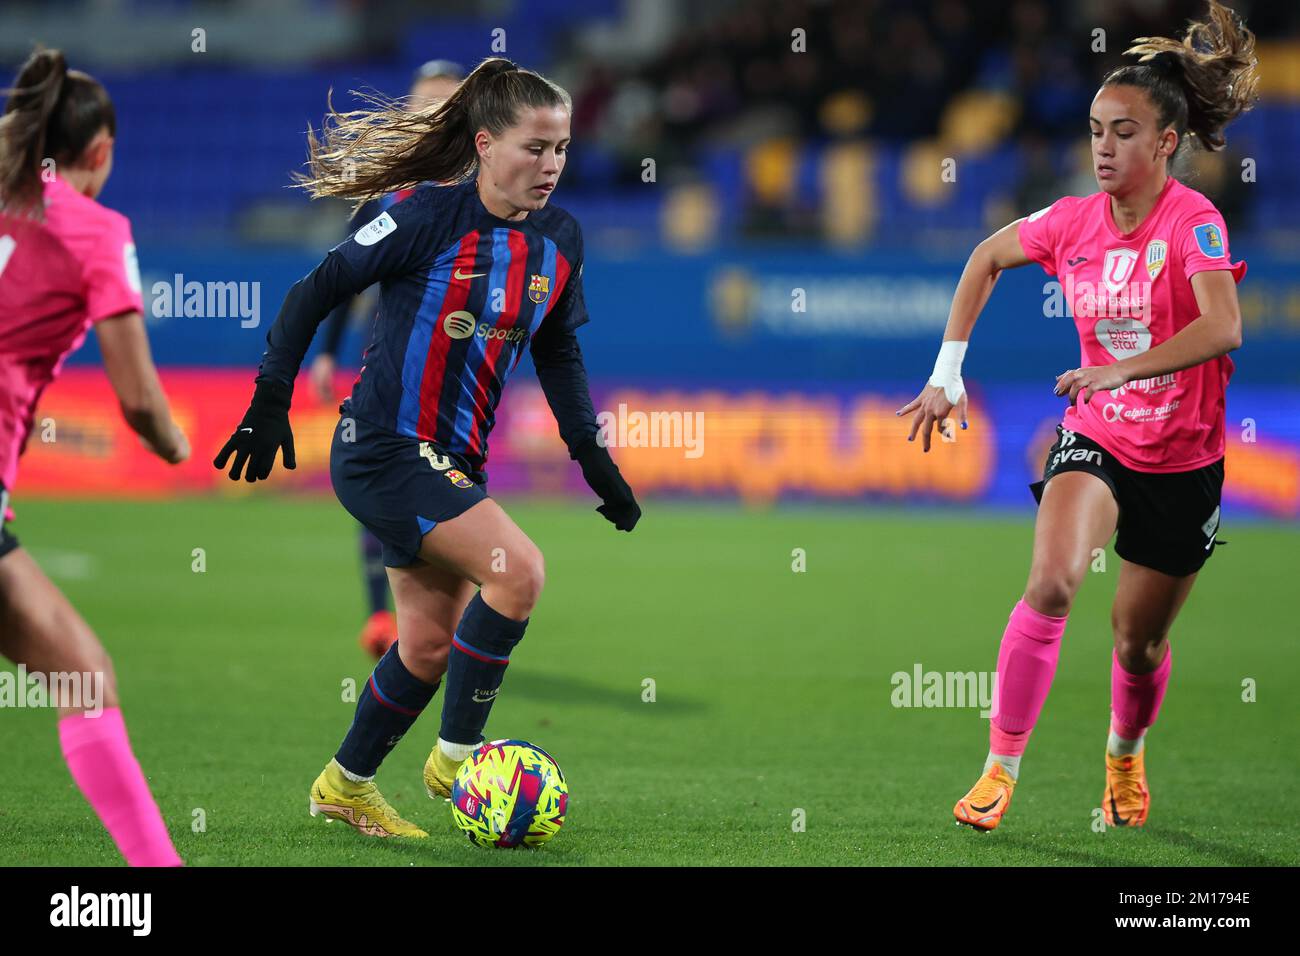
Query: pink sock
{"points": [[1027, 658], [100, 759], [1135, 698]]}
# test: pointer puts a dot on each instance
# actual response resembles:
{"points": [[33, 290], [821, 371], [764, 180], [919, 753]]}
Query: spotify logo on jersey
{"points": [[462, 325], [459, 325]]}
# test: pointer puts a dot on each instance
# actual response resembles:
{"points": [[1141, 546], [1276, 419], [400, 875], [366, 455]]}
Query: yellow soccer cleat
{"points": [[440, 773], [1127, 799], [360, 805], [987, 801]]}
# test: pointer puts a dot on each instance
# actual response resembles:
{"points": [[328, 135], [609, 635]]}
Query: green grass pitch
{"points": [[772, 691]]}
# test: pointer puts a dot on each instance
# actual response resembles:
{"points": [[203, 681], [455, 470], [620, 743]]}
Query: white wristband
{"points": [[947, 370]]}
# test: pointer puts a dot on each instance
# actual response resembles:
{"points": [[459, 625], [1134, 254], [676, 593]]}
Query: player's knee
{"points": [[1052, 592], [532, 576], [423, 648], [434, 659], [1138, 649], [523, 583]]}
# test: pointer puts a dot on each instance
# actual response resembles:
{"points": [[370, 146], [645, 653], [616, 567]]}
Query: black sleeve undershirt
{"points": [[563, 378], [336, 322], [309, 300]]}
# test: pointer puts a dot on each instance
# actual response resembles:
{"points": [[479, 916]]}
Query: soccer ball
{"points": [[509, 793]]}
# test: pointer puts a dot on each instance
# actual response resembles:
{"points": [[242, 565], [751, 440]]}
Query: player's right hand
{"points": [[929, 407], [264, 431], [322, 377], [618, 504], [176, 451]]}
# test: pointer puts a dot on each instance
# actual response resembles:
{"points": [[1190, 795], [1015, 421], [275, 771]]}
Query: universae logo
{"points": [[1118, 267]]}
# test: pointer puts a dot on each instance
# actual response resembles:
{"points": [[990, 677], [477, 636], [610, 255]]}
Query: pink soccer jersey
{"points": [[1127, 293], [57, 278]]}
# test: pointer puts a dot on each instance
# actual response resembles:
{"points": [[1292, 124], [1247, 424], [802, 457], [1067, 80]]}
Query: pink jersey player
{"points": [[58, 277], [67, 263], [1129, 292], [1145, 269]]}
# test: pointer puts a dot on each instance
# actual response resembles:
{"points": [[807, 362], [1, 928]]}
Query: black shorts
{"points": [[1166, 521], [7, 541], [399, 488]]}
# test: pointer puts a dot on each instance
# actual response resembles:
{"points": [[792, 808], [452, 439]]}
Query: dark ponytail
{"points": [[366, 153], [1201, 83], [52, 113]]}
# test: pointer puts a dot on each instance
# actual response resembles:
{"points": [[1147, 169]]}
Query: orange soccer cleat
{"points": [[987, 801], [1127, 799], [379, 633]]}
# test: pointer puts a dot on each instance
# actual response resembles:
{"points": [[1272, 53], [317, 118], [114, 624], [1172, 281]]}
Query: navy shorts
{"points": [[1167, 521], [7, 541], [400, 488]]}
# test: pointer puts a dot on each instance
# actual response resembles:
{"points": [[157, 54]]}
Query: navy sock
{"points": [[480, 651], [372, 566], [391, 700]]}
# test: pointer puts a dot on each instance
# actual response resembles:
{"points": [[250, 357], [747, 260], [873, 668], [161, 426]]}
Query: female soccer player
{"points": [[433, 82], [470, 273], [1146, 268], [67, 263]]}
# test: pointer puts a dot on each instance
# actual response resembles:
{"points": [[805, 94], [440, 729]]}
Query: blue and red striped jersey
{"points": [[462, 293]]}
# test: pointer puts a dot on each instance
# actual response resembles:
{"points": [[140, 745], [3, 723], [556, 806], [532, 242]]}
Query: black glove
{"points": [[603, 476], [263, 432]]}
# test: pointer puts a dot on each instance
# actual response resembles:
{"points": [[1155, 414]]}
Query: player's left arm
{"points": [[1216, 331], [563, 377], [331, 330], [114, 306], [124, 345], [392, 244]]}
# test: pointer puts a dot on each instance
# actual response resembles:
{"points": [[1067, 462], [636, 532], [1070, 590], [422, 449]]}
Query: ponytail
{"points": [[24, 127], [1201, 83], [52, 113], [366, 153]]}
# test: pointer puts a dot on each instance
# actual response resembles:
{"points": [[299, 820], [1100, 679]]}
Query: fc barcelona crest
{"points": [[458, 479], [1156, 250], [539, 288]]}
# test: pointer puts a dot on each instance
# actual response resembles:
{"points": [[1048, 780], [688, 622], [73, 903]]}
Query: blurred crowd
{"points": [[881, 71]]}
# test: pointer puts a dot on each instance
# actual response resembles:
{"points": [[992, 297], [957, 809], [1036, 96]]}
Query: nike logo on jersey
{"points": [[468, 275], [249, 430], [1076, 260]]}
